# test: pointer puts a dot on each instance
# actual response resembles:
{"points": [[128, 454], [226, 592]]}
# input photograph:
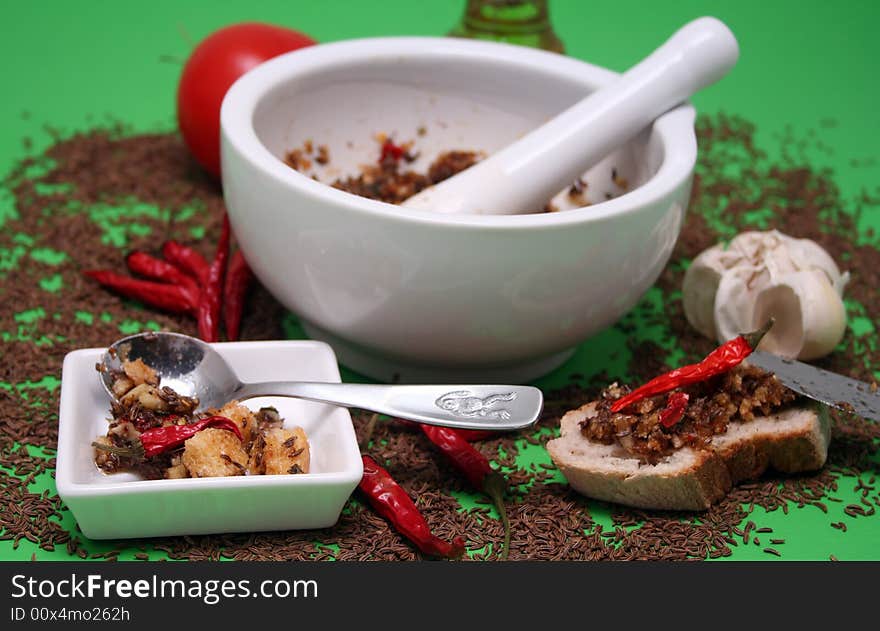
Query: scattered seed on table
{"points": [[549, 520], [854, 510], [772, 551]]}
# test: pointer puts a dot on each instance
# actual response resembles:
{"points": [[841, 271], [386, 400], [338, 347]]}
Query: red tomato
{"points": [[214, 65]]}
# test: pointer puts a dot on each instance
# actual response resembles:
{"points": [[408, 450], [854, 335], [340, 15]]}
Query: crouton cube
{"points": [[241, 416], [284, 451], [140, 373], [214, 452], [148, 396], [121, 385], [176, 472]]}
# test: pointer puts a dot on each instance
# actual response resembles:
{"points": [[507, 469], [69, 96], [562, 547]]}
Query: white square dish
{"points": [[123, 505]]}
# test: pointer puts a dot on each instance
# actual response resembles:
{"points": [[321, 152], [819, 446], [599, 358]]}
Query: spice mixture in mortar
{"points": [[391, 180], [107, 192], [388, 180]]}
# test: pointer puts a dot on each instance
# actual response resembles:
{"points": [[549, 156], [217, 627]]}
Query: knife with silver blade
{"points": [[830, 388]]}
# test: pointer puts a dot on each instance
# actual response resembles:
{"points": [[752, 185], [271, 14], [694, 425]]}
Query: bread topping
{"points": [[736, 396]]}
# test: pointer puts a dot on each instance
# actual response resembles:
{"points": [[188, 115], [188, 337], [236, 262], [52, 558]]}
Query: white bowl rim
{"points": [[674, 128]]}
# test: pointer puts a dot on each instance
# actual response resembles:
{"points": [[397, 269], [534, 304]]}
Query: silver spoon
{"points": [[192, 368]]}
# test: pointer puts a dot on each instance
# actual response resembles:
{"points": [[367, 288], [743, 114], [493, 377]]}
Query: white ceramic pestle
{"points": [[523, 176]]}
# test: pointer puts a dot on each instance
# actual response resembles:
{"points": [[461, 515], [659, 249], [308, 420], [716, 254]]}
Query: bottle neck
{"points": [[524, 22], [507, 17]]}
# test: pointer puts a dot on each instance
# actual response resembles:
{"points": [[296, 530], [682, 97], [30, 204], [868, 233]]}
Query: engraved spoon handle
{"points": [[464, 407]]}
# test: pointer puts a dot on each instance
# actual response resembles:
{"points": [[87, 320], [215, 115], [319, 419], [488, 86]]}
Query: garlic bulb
{"points": [[728, 291]]}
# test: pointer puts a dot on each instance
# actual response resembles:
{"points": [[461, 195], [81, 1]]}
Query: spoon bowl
{"points": [[192, 368]]}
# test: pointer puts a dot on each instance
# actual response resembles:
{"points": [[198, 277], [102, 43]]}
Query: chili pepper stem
{"points": [[368, 430], [494, 487], [754, 338], [124, 452]]}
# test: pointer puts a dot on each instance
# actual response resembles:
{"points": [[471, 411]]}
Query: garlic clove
{"points": [[747, 244], [735, 299], [700, 286], [810, 315], [768, 249], [810, 255], [752, 246]]}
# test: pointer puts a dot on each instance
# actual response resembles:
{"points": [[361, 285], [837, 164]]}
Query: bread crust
{"points": [[792, 441]]}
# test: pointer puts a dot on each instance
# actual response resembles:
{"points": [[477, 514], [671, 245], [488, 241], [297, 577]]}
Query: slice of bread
{"points": [[792, 441]]}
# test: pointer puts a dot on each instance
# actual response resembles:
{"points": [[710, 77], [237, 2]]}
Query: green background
{"points": [[804, 67]]}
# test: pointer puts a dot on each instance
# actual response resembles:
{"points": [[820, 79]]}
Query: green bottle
{"points": [[524, 22]]}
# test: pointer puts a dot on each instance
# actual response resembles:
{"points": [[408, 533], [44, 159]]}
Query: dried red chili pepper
{"points": [[187, 260], [389, 499], [161, 439], [476, 468], [676, 404], [212, 290], [173, 298], [238, 279], [472, 435], [151, 267], [724, 358]]}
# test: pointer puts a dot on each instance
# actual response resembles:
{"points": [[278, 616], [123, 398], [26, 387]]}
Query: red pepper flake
{"points": [[212, 291], [389, 499], [475, 467], [172, 298], [238, 279], [724, 358], [676, 404], [392, 152]]}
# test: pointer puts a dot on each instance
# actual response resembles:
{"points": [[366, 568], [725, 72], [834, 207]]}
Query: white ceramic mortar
{"points": [[423, 296]]}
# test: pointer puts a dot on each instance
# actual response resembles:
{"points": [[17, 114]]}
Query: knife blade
{"points": [[830, 388]]}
